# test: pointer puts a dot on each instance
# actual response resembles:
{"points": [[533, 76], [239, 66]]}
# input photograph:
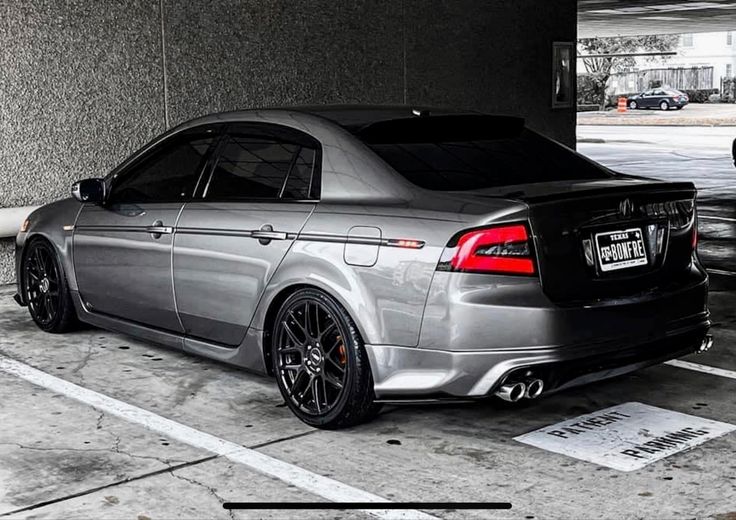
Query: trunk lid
{"points": [[611, 239]]}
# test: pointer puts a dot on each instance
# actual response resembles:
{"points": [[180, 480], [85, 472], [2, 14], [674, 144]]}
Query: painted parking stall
{"points": [[626, 437]]}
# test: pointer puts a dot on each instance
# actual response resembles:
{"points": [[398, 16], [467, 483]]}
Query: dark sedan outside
{"points": [[661, 98]]}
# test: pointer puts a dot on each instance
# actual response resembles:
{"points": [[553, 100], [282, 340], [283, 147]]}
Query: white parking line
{"points": [[702, 368], [721, 272], [711, 217], [301, 478]]}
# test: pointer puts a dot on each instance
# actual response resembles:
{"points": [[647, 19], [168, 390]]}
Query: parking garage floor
{"points": [[145, 432]]}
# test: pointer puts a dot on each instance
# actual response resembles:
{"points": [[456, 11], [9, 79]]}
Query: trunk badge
{"points": [[626, 208]]}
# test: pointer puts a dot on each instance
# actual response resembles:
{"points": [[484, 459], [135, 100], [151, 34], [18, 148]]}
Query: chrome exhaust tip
{"points": [[706, 344], [511, 392], [534, 388]]}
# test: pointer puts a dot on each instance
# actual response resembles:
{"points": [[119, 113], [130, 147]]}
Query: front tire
{"points": [[320, 363], [46, 289], [633, 105]]}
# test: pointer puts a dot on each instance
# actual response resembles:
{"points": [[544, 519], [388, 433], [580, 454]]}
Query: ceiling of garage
{"points": [[634, 17]]}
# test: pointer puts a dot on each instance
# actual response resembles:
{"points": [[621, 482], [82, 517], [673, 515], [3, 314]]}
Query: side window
{"points": [[261, 165], [299, 181], [168, 174]]}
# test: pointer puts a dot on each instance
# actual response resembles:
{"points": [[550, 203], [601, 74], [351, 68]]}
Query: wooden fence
{"points": [[695, 78]]}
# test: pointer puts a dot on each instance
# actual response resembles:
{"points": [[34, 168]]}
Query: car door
{"points": [[262, 188], [646, 99], [657, 97], [122, 249]]}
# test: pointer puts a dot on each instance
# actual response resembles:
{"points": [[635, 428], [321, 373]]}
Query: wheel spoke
{"points": [[39, 262], [314, 385], [302, 396], [291, 315], [295, 368], [337, 365], [338, 340], [41, 307], [291, 334], [51, 308], [327, 330], [295, 381], [317, 333], [333, 381], [307, 320]]}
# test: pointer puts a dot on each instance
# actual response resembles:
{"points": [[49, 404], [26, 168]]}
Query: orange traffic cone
{"points": [[622, 104]]}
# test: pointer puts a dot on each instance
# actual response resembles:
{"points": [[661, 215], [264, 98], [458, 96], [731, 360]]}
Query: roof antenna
{"points": [[420, 113]]}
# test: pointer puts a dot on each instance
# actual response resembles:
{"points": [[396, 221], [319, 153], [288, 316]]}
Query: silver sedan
{"points": [[370, 254]]}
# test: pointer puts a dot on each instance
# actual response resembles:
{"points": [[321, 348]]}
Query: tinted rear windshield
{"points": [[460, 153]]}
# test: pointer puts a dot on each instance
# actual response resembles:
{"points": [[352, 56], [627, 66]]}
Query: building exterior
{"points": [[714, 49]]}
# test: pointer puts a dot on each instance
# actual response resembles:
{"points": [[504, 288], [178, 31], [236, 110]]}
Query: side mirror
{"points": [[90, 190]]}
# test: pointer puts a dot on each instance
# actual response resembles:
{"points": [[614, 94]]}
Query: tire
{"points": [[664, 105], [633, 105], [320, 363], [46, 290]]}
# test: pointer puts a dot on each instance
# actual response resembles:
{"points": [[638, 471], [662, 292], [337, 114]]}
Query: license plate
{"points": [[620, 249]]}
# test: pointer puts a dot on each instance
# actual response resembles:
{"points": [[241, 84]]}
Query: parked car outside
{"points": [[661, 98]]}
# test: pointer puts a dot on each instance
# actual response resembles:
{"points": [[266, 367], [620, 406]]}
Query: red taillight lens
{"points": [[502, 249]]}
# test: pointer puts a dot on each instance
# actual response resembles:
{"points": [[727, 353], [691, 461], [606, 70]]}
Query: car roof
{"points": [[353, 118]]}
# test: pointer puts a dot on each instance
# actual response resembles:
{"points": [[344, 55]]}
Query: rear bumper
{"points": [[401, 372], [475, 334]]}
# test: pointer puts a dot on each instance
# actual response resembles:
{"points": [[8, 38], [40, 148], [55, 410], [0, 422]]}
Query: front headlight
{"points": [[24, 225]]}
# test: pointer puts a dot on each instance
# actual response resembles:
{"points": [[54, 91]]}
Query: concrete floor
{"points": [[60, 458]]}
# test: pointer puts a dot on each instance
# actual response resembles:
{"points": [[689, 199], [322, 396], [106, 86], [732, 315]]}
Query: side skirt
{"points": [[247, 355]]}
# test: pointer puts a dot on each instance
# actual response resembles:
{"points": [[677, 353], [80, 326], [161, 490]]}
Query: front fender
{"points": [[55, 223]]}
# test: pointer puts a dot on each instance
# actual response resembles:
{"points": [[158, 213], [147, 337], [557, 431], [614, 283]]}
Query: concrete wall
{"points": [[83, 83]]}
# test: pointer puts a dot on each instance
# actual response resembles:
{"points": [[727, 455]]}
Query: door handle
{"points": [[266, 234], [158, 229]]}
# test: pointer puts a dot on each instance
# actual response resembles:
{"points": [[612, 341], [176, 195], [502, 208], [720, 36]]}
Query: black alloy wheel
{"points": [[45, 288], [320, 363]]}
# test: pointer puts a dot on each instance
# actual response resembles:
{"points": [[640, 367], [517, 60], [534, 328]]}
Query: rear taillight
{"points": [[502, 249]]}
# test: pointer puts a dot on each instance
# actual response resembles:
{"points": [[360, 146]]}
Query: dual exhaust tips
{"points": [[529, 389]]}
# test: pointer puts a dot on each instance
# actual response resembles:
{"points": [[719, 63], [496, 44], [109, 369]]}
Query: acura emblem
{"points": [[626, 208]]}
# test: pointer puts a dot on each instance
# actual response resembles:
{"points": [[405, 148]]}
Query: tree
{"points": [[599, 70]]}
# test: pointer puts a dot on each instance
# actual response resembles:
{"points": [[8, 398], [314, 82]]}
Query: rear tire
{"points": [[664, 105], [320, 363], [46, 290]]}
